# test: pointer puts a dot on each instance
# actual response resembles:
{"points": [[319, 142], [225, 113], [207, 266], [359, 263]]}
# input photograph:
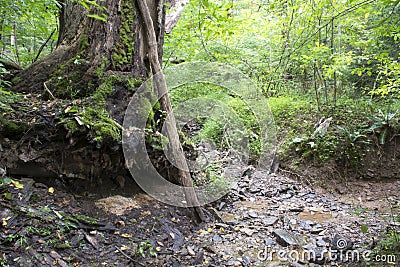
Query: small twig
{"points": [[44, 45], [129, 257], [48, 91]]}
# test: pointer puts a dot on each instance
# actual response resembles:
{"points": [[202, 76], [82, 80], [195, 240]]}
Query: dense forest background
{"points": [[313, 59]]}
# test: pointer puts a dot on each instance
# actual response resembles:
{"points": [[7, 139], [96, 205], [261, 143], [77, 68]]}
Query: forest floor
{"points": [[266, 220]]}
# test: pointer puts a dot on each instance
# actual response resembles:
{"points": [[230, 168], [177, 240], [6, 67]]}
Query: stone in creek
{"points": [[270, 221], [252, 214], [217, 238], [286, 238], [321, 243], [269, 242]]}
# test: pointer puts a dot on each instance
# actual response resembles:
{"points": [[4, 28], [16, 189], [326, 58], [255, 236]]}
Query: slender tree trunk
{"points": [[16, 44], [334, 73], [185, 179]]}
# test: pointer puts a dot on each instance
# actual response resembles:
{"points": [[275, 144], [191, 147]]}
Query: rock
{"points": [[254, 189], [247, 231], [190, 251], [217, 238], [296, 209], [3, 172], [268, 221], [316, 229], [184, 252], [286, 238], [269, 242], [252, 214], [321, 243]]}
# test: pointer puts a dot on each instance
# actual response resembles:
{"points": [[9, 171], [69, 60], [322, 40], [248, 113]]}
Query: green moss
{"points": [[16, 80], [102, 67], [102, 125], [11, 128], [83, 42], [72, 125], [134, 83], [124, 48], [66, 79]]}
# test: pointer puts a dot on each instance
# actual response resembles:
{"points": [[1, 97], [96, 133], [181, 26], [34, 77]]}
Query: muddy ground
{"points": [[54, 225]]}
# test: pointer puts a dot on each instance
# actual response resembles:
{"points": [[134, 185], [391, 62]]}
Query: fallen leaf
{"points": [[172, 235], [126, 235], [17, 184], [123, 248], [59, 235], [146, 213], [175, 220], [5, 221]]}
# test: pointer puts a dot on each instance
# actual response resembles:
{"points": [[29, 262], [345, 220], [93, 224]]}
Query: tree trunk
{"points": [[87, 48], [77, 135]]}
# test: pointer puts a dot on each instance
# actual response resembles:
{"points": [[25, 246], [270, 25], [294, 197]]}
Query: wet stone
{"points": [[217, 238], [270, 221], [286, 238], [269, 242], [252, 214]]}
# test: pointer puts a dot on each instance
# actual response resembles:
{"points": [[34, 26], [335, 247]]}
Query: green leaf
{"points": [[103, 17], [364, 229], [17, 184]]}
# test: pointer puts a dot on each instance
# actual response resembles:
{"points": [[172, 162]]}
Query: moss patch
{"points": [[124, 48], [66, 81], [92, 112], [12, 129]]}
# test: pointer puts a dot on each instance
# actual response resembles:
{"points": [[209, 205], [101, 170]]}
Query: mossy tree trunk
{"points": [[68, 123], [88, 48]]}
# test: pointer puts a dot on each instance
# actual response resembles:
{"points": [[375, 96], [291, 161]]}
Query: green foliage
{"points": [[213, 129], [143, 248], [389, 245], [383, 122], [25, 27], [7, 98]]}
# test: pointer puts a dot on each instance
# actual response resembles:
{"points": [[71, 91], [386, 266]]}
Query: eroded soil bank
{"points": [[266, 214]]}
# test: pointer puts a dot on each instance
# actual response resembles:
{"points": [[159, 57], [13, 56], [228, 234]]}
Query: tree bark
{"points": [[37, 140], [86, 45], [185, 179]]}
